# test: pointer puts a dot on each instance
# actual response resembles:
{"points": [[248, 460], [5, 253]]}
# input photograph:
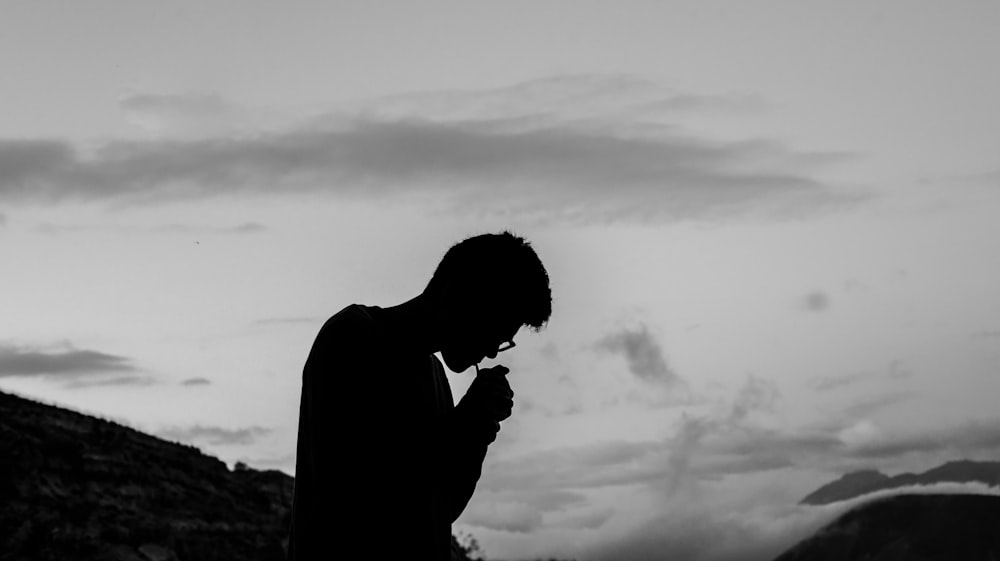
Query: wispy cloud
{"points": [[23, 361], [494, 159], [968, 438], [898, 369], [568, 97], [852, 444], [290, 320], [112, 381], [583, 467], [828, 383], [244, 228], [214, 435], [870, 405], [642, 353], [518, 511], [194, 115], [816, 301], [756, 394], [196, 382], [987, 334], [591, 520]]}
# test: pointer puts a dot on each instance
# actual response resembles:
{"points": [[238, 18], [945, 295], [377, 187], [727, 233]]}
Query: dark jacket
{"points": [[385, 461]]}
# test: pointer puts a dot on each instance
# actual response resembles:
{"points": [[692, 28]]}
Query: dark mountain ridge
{"points": [[863, 482], [908, 527], [74, 486]]}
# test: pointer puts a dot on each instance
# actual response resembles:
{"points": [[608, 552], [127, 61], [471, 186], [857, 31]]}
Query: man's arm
{"points": [[473, 425]]}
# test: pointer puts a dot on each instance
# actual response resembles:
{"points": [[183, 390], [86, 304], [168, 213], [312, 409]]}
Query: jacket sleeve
{"points": [[470, 433]]}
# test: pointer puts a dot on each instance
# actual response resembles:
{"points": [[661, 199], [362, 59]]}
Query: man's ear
{"points": [[449, 306]]}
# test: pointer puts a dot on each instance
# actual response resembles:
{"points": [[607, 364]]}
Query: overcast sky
{"points": [[771, 229]]}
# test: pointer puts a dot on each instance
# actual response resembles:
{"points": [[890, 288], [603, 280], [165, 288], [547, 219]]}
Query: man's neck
{"points": [[414, 321]]}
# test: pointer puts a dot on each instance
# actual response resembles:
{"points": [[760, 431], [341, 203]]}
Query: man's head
{"points": [[485, 288]]}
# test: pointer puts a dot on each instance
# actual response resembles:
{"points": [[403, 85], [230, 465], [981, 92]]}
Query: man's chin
{"points": [[457, 364]]}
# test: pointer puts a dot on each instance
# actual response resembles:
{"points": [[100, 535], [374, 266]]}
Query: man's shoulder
{"points": [[355, 319], [353, 313], [346, 333]]}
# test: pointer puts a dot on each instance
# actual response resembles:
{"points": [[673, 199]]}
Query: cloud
{"points": [[214, 435], [642, 353], [572, 468], [549, 351], [658, 463], [196, 382], [587, 521], [3, 220], [816, 301], [291, 320], [546, 165], [729, 442], [113, 381], [732, 103], [687, 473], [572, 97], [756, 394], [974, 437], [987, 179], [506, 516], [870, 405], [69, 362], [518, 511], [833, 382], [899, 370], [194, 115], [247, 228], [244, 228], [853, 443]]}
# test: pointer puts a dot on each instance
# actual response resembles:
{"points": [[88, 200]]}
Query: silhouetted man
{"points": [[385, 460]]}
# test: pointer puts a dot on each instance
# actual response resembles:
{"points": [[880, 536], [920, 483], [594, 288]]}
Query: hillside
{"points": [[77, 487], [909, 527]]}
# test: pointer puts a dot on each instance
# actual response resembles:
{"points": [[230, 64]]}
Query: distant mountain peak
{"points": [[862, 482]]}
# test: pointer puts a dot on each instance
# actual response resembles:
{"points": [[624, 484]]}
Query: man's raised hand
{"points": [[490, 392]]}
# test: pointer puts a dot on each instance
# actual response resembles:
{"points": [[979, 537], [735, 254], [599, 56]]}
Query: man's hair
{"points": [[501, 268]]}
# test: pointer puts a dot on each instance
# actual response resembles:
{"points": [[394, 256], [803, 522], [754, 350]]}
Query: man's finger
{"points": [[498, 370]]}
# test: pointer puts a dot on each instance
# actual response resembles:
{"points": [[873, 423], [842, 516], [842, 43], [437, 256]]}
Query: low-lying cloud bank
{"points": [[697, 533], [724, 482]]}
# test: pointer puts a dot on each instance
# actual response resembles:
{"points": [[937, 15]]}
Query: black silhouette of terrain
{"points": [[918, 527], [76, 487], [911, 528]]}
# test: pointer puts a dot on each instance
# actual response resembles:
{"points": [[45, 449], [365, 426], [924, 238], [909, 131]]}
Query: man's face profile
{"points": [[477, 336]]}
